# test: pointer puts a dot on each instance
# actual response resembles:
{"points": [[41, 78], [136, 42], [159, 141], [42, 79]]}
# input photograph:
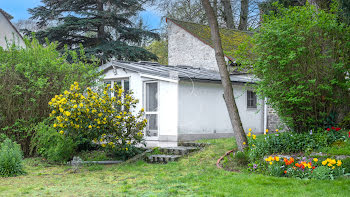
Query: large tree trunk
{"points": [[215, 7], [240, 136], [243, 20], [101, 27], [228, 15]]}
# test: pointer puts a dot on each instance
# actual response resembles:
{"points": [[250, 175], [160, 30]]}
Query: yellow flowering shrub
{"points": [[108, 121]]}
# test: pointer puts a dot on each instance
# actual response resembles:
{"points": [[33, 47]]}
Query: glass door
{"points": [[151, 108]]}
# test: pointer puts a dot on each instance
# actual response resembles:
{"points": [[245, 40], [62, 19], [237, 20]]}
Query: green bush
{"points": [[51, 145], [29, 78], [10, 159], [304, 78], [288, 142], [346, 165]]}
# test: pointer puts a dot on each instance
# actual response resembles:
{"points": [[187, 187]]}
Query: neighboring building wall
{"points": [[203, 112], [185, 49], [7, 31]]}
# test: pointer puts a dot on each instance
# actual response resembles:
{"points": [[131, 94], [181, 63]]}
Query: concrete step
{"points": [[180, 150], [192, 144], [163, 158]]}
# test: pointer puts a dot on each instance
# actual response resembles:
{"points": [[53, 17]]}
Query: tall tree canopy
{"points": [[103, 27]]}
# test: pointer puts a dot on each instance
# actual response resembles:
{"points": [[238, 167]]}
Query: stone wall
{"points": [[186, 49], [273, 121]]}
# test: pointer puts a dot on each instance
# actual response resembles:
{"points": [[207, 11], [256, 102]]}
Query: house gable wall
{"points": [[186, 49], [9, 33]]}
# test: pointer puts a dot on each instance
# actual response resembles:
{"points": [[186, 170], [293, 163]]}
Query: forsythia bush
{"points": [[108, 121]]}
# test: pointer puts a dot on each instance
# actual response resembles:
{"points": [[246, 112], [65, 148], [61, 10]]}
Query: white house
{"points": [[8, 32], [184, 101]]}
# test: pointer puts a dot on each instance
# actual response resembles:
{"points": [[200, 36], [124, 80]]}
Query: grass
{"points": [[194, 175]]}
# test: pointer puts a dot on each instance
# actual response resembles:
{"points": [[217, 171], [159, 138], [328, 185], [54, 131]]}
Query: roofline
{"points": [[110, 65], [8, 20], [213, 81]]}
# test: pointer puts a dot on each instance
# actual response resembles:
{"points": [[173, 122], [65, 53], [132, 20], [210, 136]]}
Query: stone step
{"points": [[192, 144], [163, 158], [180, 150]]}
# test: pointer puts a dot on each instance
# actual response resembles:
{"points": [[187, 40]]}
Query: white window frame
{"points": [[156, 112], [247, 100], [117, 79]]}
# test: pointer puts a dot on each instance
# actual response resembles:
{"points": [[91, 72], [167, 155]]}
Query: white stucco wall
{"points": [[202, 109], [167, 98], [185, 49], [8, 32], [168, 110]]}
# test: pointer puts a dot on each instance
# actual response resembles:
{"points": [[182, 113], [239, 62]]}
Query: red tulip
{"points": [[337, 129], [333, 128], [328, 129]]}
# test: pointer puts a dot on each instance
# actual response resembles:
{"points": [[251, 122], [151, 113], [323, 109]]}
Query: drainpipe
{"points": [[265, 115]]}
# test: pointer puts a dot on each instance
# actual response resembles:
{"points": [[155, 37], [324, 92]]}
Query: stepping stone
{"points": [[163, 158], [180, 150], [192, 144]]}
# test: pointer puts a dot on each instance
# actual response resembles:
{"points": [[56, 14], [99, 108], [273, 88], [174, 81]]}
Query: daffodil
{"points": [[249, 134]]}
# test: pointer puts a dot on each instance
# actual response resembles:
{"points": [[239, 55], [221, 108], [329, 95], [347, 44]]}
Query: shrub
{"points": [[304, 78], [52, 145], [29, 78], [108, 121], [288, 142], [10, 159], [346, 165]]}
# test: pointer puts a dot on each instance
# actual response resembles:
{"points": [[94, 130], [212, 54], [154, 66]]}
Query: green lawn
{"points": [[195, 175]]}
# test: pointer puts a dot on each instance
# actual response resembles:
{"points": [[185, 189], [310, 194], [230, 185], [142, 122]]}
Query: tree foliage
{"points": [[29, 77], [302, 58], [104, 27], [160, 49]]}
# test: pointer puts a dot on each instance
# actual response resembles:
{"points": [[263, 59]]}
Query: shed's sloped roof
{"points": [[230, 38], [7, 15], [178, 72]]}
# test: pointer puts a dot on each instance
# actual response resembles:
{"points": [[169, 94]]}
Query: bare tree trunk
{"points": [[240, 136], [243, 20], [101, 27], [228, 15], [215, 7]]}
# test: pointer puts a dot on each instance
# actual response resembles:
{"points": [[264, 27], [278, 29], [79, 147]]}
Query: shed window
{"points": [[251, 99]]}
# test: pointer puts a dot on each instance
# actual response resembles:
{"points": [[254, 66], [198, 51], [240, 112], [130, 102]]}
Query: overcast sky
{"points": [[18, 9]]}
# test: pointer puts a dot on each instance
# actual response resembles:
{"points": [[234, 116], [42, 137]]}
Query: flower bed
{"points": [[262, 158], [312, 168]]}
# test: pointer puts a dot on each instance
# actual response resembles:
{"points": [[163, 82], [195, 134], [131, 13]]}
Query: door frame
{"points": [[146, 113]]}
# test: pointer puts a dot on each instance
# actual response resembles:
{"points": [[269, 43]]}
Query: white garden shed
{"points": [[184, 103]]}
